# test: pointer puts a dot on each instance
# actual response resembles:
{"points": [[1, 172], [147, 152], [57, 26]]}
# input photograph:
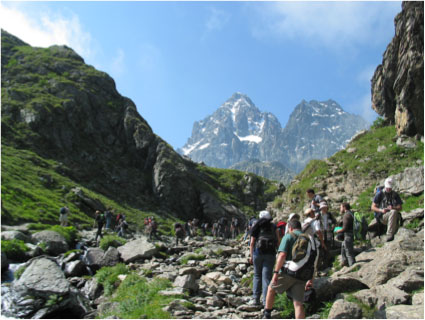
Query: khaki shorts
{"points": [[294, 287]]}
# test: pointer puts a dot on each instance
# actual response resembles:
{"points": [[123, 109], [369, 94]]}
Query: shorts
{"points": [[294, 287], [63, 217]]}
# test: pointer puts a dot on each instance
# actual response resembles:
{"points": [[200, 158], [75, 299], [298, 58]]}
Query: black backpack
{"points": [[267, 242]]}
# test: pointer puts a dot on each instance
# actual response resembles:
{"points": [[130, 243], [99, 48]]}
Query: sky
{"points": [[180, 61]]}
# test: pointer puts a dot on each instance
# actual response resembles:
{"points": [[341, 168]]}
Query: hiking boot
{"points": [[266, 315], [253, 302], [390, 238]]}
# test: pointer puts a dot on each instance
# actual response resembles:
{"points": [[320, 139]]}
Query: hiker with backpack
{"points": [[234, 227], [292, 216], [63, 216], [222, 227], [281, 227], [215, 229], [153, 229], [327, 221], [294, 269], [188, 228], [312, 226], [263, 247], [122, 227], [108, 217], [251, 223], [100, 221], [387, 205], [315, 200], [179, 232], [347, 248]]}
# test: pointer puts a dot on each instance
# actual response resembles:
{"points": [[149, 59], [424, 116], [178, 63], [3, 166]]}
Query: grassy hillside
{"points": [[364, 163]]}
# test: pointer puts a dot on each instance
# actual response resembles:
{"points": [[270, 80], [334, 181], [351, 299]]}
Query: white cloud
{"points": [[46, 29], [335, 24], [217, 19]]}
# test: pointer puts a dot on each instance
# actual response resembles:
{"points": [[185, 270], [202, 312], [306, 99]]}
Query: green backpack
{"points": [[300, 247], [360, 226]]}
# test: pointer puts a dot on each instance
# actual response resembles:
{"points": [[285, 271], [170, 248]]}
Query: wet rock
{"points": [[75, 268]]}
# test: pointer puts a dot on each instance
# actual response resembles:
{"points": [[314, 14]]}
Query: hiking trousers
{"points": [[347, 249], [263, 272], [391, 220]]}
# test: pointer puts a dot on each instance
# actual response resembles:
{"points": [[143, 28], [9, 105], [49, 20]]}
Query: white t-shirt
{"points": [[314, 227]]}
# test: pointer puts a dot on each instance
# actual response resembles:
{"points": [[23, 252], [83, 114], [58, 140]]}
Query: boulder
{"points": [[15, 235], [55, 242], [409, 280], [345, 310], [216, 278], [408, 182], [418, 298], [111, 257], [406, 142], [187, 281], [405, 312], [96, 258], [75, 268], [383, 295], [43, 292], [92, 289], [328, 287], [137, 249]]}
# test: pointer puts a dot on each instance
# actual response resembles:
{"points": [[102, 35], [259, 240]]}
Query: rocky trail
{"points": [[213, 276]]}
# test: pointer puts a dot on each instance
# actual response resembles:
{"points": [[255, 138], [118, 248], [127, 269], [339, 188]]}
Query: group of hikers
{"points": [[286, 255], [287, 261]]}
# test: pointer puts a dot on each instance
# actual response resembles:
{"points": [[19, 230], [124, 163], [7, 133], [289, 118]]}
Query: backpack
{"points": [[125, 225], [62, 210], [305, 250], [281, 225], [266, 242], [360, 226]]}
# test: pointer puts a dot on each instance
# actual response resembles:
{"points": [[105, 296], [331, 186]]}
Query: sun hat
{"points": [[265, 214]]}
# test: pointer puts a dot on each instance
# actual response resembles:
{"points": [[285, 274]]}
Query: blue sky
{"points": [[179, 61]]}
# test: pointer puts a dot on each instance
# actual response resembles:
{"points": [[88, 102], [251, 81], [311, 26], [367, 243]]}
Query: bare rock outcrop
{"points": [[398, 83]]}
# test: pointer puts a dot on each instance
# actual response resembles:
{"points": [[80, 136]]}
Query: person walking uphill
{"points": [[387, 205], [100, 220], [347, 248], [63, 216], [285, 279], [263, 246]]}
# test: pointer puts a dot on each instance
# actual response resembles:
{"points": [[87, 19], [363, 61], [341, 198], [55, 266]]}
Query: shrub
{"points": [[108, 277], [139, 299], [285, 306], [111, 241], [184, 260], [14, 249], [18, 273]]}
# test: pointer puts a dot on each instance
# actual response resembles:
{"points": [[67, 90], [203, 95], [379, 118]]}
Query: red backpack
{"points": [[281, 225]]}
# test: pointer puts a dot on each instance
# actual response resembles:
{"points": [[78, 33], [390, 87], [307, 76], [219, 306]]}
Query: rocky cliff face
{"points": [[398, 83], [62, 109], [238, 132]]}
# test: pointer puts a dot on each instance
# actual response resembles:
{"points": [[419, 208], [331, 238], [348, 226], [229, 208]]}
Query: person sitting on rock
{"points": [[347, 248], [387, 205], [315, 200]]}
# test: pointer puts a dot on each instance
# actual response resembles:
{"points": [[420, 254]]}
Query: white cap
{"points": [[293, 215], [389, 183], [323, 205], [265, 214]]}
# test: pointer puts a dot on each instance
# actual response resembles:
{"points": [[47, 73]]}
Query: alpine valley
{"points": [[238, 135]]}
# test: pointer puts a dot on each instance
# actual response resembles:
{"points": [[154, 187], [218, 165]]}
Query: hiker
{"points": [[153, 229], [63, 216], [204, 228], [292, 216], [100, 221], [234, 227], [188, 228], [295, 285], [121, 227], [312, 226], [119, 216], [347, 247], [281, 227], [315, 201], [108, 217], [179, 232], [251, 223], [195, 223], [222, 227], [215, 229], [328, 221], [387, 205], [263, 247]]}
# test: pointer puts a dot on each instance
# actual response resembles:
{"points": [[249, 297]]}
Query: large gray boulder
{"points": [[345, 310], [137, 249], [96, 258], [328, 287], [55, 242], [187, 281], [408, 182], [405, 312], [409, 280], [42, 292], [15, 235], [382, 296]]}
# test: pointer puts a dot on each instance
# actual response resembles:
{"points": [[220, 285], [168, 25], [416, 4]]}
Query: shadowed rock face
{"points": [[398, 83]]}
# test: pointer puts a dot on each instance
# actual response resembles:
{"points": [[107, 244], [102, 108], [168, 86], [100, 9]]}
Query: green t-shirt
{"points": [[286, 244]]}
